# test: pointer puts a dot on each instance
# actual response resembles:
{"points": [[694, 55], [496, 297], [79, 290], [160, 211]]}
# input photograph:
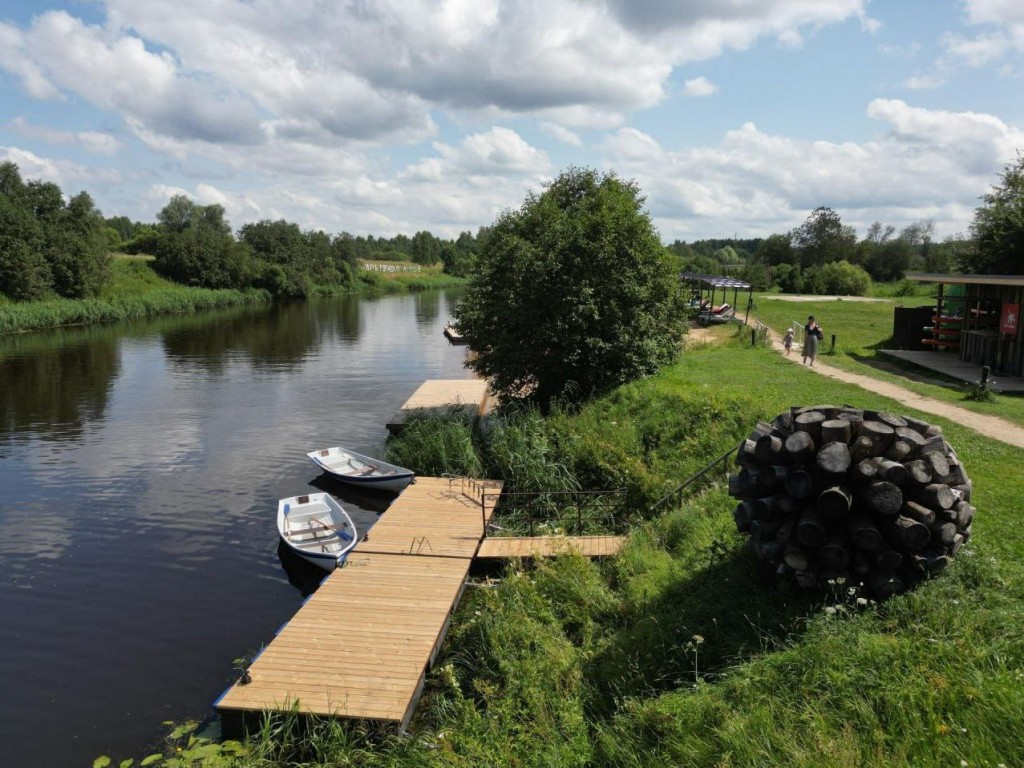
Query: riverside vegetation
{"points": [[135, 290], [674, 653]]}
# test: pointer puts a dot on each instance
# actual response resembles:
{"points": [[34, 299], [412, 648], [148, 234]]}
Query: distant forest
{"points": [[50, 247]]}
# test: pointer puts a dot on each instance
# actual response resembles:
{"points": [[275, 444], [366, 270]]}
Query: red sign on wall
{"points": [[1010, 321]]}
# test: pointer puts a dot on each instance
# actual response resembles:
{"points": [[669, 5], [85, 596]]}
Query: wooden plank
{"points": [[506, 547], [361, 645]]}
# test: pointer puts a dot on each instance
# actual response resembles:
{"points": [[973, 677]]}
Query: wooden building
{"points": [[977, 318]]}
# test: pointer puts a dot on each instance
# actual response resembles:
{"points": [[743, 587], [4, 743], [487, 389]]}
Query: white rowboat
{"points": [[316, 528], [361, 471]]}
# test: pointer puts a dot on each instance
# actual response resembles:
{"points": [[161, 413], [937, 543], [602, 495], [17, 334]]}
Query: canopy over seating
{"points": [[701, 283]]}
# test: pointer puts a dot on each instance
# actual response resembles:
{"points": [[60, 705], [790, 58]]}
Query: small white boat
{"points": [[362, 471], [452, 334], [316, 528]]}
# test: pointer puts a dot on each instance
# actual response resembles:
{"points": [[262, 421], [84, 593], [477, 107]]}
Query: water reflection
{"points": [[428, 307], [140, 468], [56, 388]]}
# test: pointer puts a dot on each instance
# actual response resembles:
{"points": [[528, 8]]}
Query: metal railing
{"points": [[677, 493], [577, 510]]}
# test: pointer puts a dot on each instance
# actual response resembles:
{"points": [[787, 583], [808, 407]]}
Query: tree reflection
{"points": [[54, 386]]}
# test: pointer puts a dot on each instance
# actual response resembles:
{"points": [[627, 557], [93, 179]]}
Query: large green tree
{"points": [[998, 227], [823, 238], [194, 246], [48, 246], [573, 293]]}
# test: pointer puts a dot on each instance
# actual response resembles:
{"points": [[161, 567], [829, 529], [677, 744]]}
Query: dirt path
{"points": [[992, 426]]}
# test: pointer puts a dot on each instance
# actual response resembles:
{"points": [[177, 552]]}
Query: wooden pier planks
{"points": [[470, 395], [508, 547], [361, 645]]}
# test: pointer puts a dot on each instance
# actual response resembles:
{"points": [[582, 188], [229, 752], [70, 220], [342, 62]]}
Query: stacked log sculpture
{"points": [[829, 493]]}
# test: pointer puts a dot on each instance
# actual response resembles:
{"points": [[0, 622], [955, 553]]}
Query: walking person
{"points": [[787, 341], [812, 334]]}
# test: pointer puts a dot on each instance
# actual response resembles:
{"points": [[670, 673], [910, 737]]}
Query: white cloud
{"points": [[929, 164], [924, 82], [976, 52], [562, 134], [95, 142], [194, 69], [699, 86], [68, 175]]}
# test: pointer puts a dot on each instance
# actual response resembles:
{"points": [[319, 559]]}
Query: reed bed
{"points": [[40, 315]]}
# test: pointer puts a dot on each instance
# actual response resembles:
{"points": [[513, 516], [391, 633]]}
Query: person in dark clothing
{"points": [[812, 334]]}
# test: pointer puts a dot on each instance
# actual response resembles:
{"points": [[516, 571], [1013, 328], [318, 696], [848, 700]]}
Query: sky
{"points": [[736, 118]]}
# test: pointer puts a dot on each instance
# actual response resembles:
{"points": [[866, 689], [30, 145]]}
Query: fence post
{"points": [[833, 342]]}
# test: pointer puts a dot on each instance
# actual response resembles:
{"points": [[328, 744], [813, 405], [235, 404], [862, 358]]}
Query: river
{"points": [[140, 467]]}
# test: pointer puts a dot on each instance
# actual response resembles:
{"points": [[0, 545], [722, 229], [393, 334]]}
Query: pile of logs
{"points": [[829, 493]]}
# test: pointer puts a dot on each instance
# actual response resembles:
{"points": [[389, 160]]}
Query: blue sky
{"points": [[735, 117]]}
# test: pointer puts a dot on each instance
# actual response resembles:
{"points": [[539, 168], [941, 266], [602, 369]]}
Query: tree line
{"points": [[823, 255], [49, 247], [52, 248]]}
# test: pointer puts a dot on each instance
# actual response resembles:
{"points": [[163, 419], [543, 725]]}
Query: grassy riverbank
{"points": [[674, 653], [136, 291]]}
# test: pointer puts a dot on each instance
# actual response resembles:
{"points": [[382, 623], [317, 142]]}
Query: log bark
{"points": [[811, 531], [795, 556], [898, 451], [810, 422], [864, 533], [834, 502], [834, 555], [920, 472], [881, 436], [883, 497], [871, 497], [895, 472], [887, 559], [885, 585], [834, 458], [836, 430], [937, 495], [912, 534], [800, 447], [864, 470], [918, 512], [769, 450], [800, 484]]}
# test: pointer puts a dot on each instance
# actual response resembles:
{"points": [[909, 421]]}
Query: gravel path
{"points": [[992, 426]]}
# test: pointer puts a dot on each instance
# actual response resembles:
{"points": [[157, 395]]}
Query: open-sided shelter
{"points": [[705, 288], [977, 318]]}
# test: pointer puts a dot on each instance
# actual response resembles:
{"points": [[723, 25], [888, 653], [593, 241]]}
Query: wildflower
{"points": [[698, 639]]}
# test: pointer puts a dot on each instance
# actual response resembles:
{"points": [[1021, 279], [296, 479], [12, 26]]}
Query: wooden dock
{"points": [[360, 647], [508, 547], [472, 395]]}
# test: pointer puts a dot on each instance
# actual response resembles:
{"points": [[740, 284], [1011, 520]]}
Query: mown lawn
{"points": [[861, 329]]}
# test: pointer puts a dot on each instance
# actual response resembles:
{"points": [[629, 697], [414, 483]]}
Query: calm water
{"points": [[140, 467]]}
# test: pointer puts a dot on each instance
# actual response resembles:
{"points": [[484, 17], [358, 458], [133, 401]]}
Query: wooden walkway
{"points": [[361, 645], [508, 547], [442, 394]]}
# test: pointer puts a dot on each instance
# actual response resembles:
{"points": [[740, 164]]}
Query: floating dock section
{"points": [[441, 395], [361, 645]]}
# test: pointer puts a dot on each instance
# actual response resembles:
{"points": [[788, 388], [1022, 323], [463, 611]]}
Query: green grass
{"points": [[861, 329], [676, 654]]}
